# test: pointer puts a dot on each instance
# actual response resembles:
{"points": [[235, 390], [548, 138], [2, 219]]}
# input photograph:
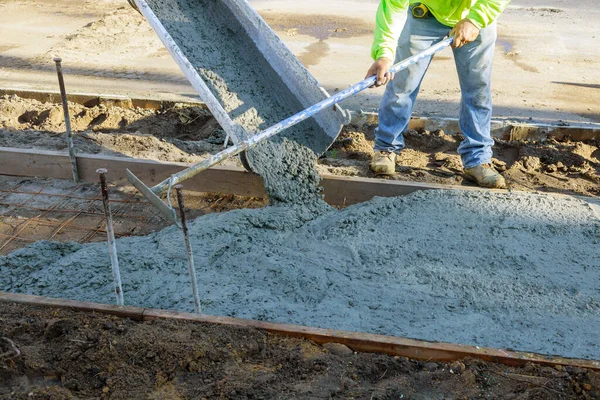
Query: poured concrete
{"points": [[517, 271]]}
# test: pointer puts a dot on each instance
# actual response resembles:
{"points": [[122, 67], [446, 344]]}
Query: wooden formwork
{"points": [[338, 190], [358, 341]]}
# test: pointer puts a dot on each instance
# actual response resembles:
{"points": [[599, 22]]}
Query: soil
{"points": [[66, 355], [190, 134]]}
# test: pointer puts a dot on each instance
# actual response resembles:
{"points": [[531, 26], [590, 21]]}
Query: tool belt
{"points": [[420, 11]]}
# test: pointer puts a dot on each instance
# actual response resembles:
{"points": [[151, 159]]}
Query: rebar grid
{"points": [[82, 224]]}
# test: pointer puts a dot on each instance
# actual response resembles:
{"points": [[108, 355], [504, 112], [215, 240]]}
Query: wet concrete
{"points": [[516, 271], [250, 90]]}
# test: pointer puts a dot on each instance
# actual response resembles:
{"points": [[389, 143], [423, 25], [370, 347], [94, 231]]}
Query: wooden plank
{"points": [[344, 190], [338, 190], [373, 343], [55, 164], [92, 99], [358, 341], [135, 313], [502, 128]]}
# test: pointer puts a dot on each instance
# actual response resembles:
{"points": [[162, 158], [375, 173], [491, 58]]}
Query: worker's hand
{"points": [[381, 68], [464, 32]]}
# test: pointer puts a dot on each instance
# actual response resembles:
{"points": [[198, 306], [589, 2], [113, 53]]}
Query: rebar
{"points": [[188, 249], [63, 95], [110, 233]]}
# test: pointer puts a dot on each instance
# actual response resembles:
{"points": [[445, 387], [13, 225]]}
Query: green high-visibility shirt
{"points": [[391, 17]]}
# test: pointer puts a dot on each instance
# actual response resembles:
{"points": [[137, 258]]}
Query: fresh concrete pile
{"points": [[515, 271]]}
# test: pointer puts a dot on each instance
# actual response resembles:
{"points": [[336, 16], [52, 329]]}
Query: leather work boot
{"points": [[486, 176], [384, 162]]}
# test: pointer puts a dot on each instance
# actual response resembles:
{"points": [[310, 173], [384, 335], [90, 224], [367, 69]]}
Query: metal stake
{"points": [[110, 233], [188, 249], [63, 95]]}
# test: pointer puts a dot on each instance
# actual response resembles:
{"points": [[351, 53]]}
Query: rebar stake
{"points": [[63, 95], [188, 248], [110, 233]]}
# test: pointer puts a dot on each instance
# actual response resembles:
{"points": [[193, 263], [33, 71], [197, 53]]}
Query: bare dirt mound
{"points": [[178, 134], [553, 166], [68, 355]]}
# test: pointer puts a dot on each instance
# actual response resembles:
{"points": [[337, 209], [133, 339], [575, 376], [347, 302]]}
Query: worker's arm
{"points": [[389, 23], [482, 14]]}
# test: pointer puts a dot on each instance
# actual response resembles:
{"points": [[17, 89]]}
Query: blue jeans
{"points": [[474, 67]]}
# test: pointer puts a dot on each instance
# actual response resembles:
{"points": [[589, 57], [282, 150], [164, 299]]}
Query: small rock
{"points": [[59, 328], [440, 157], [192, 366], [430, 366], [338, 349], [551, 168], [531, 163], [29, 116], [72, 384], [587, 387], [499, 164], [108, 325], [457, 367], [559, 367], [561, 166]]}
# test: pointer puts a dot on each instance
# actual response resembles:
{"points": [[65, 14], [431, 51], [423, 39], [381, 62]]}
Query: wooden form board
{"points": [[92, 100], [364, 342], [338, 190], [501, 128]]}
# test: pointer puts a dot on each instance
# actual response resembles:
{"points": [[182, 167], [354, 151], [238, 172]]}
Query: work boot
{"points": [[486, 176], [384, 162]]}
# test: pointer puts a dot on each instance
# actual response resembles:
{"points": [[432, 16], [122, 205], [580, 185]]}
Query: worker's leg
{"points": [[474, 67], [400, 94]]}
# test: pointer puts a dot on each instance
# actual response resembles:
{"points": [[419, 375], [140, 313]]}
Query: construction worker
{"points": [[398, 36]]}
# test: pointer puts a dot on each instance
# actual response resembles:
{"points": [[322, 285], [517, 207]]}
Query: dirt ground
{"points": [[66, 355], [190, 134], [543, 68]]}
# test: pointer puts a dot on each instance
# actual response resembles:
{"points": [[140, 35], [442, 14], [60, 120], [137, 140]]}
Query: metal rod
{"points": [[63, 95], [188, 249], [293, 120], [110, 233]]}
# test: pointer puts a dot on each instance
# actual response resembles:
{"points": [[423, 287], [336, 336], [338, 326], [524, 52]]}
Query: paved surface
{"points": [[545, 67]]}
